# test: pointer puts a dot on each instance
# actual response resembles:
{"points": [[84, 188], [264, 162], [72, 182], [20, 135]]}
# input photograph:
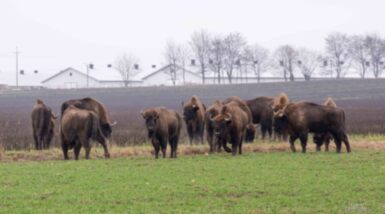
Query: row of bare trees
{"points": [[229, 56]]}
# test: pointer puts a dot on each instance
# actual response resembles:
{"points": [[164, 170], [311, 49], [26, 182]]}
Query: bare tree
{"points": [[184, 55], [217, 56], [257, 58], [200, 44], [125, 64], [376, 49], [234, 44], [358, 52], [308, 61], [172, 58], [337, 50], [286, 56]]}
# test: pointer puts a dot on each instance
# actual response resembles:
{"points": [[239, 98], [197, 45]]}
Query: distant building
{"points": [[169, 75], [72, 78]]}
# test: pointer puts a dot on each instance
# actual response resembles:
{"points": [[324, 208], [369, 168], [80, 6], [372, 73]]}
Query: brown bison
{"points": [[194, 117], [43, 125], [95, 106], [321, 138], [230, 124], [211, 112], [163, 125], [251, 128], [78, 127], [302, 118], [262, 114]]}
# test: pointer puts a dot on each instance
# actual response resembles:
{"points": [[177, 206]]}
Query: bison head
{"points": [[251, 129], [280, 102], [151, 118], [222, 124], [189, 112], [279, 121]]}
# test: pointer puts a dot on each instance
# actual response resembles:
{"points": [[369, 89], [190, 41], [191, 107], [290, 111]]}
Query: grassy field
{"points": [[257, 182]]}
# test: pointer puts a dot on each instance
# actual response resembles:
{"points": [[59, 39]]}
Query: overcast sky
{"points": [[52, 34]]}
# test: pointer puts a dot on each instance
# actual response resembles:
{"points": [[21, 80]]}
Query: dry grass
{"points": [[358, 144]]}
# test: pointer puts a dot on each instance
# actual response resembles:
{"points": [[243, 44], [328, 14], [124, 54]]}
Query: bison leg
{"points": [[327, 142], [210, 141], [263, 131], [303, 139], [234, 146], [64, 147], [163, 146], [318, 147], [292, 139], [240, 146], [174, 146], [346, 142], [156, 146], [105, 148], [77, 148]]}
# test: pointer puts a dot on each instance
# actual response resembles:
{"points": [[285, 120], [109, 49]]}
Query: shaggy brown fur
{"points": [[251, 128], [262, 114], [324, 138], [211, 112], [95, 106], [231, 123], [78, 126], [43, 125], [302, 118], [163, 125], [194, 117]]}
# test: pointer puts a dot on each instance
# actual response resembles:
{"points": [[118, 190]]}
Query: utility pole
{"points": [[17, 67]]}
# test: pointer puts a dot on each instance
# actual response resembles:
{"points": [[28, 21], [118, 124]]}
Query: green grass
{"points": [[279, 182]]}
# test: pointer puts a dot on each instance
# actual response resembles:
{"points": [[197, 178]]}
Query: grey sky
{"points": [[52, 35]]}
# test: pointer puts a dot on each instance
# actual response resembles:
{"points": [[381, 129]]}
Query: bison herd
{"points": [[232, 121]]}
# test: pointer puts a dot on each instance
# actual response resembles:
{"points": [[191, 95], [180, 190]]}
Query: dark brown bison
{"points": [[302, 118], [324, 138], [194, 117], [43, 125], [280, 131], [95, 106], [78, 127], [230, 124], [251, 128], [262, 114], [163, 125], [211, 112]]}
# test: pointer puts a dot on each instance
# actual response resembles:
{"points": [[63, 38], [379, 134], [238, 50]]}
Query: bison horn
{"points": [[113, 124], [228, 118], [54, 116]]}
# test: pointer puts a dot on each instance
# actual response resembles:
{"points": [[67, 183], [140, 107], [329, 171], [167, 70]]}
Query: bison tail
{"points": [[94, 127]]}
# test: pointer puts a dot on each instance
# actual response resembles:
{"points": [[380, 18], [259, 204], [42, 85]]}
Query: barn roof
{"points": [[165, 68]]}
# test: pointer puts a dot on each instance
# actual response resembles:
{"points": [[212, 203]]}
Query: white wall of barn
{"points": [[71, 79], [164, 78]]}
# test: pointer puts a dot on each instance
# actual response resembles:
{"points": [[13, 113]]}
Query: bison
{"points": [[78, 127], [211, 112], [163, 125], [95, 106], [251, 128], [43, 125], [194, 117], [231, 123], [301, 118], [262, 113]]}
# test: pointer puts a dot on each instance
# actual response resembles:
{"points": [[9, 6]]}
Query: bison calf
{"points": [[43, 125], [78, 127], [163, 125]]}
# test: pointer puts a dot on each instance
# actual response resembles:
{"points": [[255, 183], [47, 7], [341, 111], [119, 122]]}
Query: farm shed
{"points": [[169, 75], [73, 78]]}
